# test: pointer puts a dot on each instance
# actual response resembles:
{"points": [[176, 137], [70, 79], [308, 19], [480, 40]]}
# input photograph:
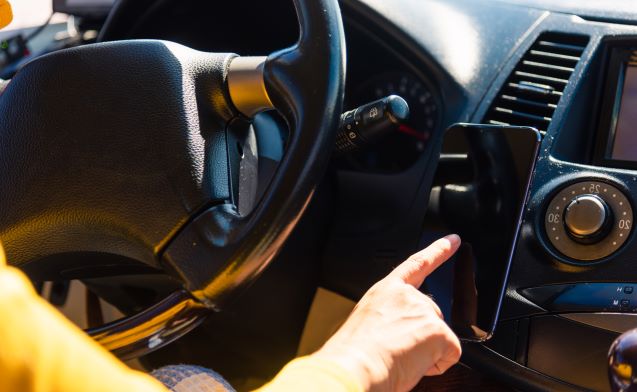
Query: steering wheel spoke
{"points": [[221, 251]]}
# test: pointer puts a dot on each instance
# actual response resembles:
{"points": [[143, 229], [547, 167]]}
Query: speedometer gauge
{"points": [[399, 150]]}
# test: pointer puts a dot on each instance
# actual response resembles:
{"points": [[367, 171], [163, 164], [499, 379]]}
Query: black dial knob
{"points": [[587, 218]]}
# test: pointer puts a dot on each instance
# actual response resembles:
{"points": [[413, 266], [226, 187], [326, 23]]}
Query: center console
{"points": [[573, 283]]}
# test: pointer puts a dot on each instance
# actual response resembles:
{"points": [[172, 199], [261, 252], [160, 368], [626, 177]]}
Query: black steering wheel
{"points": [[120, 155]]}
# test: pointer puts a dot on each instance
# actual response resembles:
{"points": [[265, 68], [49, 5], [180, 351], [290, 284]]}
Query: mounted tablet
{"points": [[479, 192]]}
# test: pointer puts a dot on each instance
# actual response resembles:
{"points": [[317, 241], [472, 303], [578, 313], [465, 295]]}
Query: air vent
{"points": [[531, 93]]}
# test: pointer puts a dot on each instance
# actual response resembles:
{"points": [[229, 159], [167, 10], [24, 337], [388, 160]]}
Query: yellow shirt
{"points": [[41, 351]]}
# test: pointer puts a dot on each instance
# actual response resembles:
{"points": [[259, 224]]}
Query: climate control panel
{"points": [[589, 220]]}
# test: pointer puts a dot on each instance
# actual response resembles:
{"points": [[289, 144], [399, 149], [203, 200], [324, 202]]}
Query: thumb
{"points": [[418, 266]]}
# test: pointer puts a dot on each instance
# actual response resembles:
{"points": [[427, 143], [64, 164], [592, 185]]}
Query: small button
{"points": [[373, 112], [625, 303], [628, 289]]}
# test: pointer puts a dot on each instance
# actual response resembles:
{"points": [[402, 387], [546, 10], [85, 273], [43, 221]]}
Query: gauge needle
{"points": [[406, 129]]}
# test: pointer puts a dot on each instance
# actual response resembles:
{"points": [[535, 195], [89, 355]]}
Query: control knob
{"points": [[588, 219]]}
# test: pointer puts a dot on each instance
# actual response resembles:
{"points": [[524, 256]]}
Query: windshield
{"points": [[23, 35], [31, 13]]}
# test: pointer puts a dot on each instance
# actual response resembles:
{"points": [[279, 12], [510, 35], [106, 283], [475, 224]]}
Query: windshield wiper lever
{"points": [[368, 123]]}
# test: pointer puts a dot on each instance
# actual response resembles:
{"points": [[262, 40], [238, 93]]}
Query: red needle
{"points": [[407, 130]]}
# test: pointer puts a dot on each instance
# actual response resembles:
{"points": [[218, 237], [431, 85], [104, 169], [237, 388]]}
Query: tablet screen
{"points": [[479, 190]]}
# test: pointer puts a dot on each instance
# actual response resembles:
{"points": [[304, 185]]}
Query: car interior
{"points": [[147, 184]]}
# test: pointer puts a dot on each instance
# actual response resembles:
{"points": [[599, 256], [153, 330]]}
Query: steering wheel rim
{"points": [[211, 248]]}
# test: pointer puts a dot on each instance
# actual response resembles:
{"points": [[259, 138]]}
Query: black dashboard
{"points": [[567, 69]]}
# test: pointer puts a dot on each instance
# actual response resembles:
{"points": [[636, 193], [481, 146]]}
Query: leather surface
{"points": [[110, 148]]}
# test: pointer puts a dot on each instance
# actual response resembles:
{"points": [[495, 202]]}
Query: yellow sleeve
{"points": [[310, 374], [6, 15], [40, 350]]}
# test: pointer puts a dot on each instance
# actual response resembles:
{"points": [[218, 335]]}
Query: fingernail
{"points": [[453, 238]]}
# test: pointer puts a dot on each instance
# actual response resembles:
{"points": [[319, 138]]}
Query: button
{"points": [[582, 297]]}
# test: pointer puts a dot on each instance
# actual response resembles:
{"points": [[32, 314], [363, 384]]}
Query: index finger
{"points": [[418, 266]]}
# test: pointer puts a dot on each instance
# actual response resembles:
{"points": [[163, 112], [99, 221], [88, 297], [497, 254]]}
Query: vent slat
{"points": [[518, 87], [523, 115], [531, 94], [561, 46], [519, 121], [542, 105], [549, 55], [541, 77], [548, 66]]}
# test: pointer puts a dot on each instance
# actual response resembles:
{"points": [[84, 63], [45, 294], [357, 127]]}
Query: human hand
{"points": [[396, 335]]}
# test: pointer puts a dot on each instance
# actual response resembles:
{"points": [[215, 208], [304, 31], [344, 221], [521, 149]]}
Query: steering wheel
{"points": [[120, 156]]}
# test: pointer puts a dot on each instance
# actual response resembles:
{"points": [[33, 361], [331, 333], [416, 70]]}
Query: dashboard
{"points": [[567, 69]]}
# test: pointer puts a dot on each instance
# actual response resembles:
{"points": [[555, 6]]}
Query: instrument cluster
{"points": [[399, 150]]}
